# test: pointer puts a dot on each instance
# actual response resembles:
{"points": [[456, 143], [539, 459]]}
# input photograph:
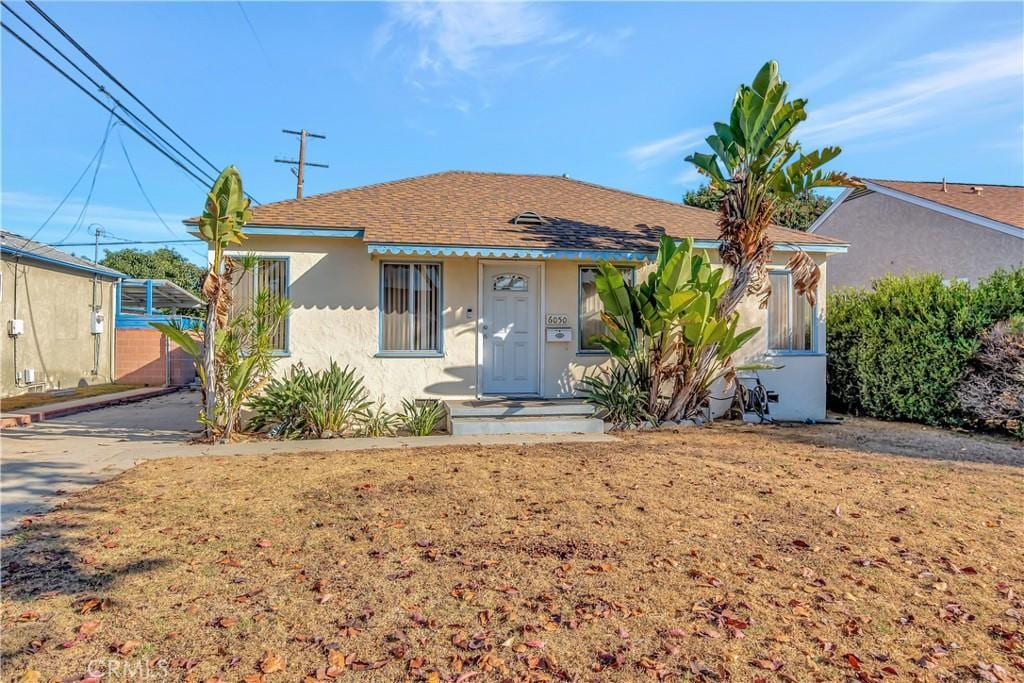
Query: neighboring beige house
{"points": [[465, 285], [962, 231], [58, 313]]}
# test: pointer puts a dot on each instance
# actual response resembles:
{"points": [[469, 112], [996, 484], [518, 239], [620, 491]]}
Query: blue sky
{"points": [[612, 93]]}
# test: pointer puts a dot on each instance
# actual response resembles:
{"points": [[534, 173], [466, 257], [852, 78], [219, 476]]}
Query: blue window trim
{"points": [[428, 353], [580, 351], [815, 349]]}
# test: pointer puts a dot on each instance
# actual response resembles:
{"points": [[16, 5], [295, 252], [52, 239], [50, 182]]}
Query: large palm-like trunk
{"points": [[743, 220], [755, 164]]}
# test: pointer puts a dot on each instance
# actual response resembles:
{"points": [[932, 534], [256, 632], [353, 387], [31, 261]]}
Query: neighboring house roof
{"points": [[22, 247], [478, 209], [1000, 207]]}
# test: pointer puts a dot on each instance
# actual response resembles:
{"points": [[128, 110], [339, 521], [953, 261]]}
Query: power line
{"points": [[121, 242], [92, 185], [78, 85], [99, 86], [139, 183], [123, 87], [253, 30], [66, 196]]}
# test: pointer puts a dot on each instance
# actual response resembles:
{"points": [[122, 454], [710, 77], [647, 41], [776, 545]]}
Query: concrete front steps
{"points": [[511, 416]]}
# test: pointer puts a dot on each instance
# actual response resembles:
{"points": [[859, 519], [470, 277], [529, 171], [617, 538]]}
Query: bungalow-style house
{"points": [[462, 285], [960, 230], [58, 313]]}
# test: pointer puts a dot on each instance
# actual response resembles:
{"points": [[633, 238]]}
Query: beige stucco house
{"points": [[962, 231], [58, 316], [463, 285]]}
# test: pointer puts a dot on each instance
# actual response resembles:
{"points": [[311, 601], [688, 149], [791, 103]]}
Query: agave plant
{"points": [[278, 410], [618, 397], [421, 417], [666, 332], [378, 421], [756, 164], [312, 404]]}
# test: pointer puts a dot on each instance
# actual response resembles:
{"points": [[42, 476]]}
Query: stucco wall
{"points": [[334, 286], [887, 235], [55, 305]]}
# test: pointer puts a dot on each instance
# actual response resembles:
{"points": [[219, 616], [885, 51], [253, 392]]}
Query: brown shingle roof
{"points": [[476, 209], [1003, 203]]}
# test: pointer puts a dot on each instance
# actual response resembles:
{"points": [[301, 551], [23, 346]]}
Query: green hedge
{"points": [[896, 351]]}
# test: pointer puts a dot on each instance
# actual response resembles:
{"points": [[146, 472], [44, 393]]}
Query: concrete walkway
{"points": [[44, 461], [49, 411]]}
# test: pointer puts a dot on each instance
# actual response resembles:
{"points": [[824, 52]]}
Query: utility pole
{"points": [[301, 162], [97, 231]]}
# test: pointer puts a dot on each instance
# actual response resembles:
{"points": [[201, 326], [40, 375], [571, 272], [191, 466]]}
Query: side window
{"points": [[590, 323], [790, 317], [269, 275]]}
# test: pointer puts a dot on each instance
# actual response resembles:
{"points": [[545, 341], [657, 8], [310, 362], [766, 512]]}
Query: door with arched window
{"points": [[509, 328]]}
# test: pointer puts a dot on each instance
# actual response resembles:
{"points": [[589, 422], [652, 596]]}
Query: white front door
{"points": [[508, 325]]}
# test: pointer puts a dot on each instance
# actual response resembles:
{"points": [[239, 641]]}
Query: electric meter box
{"points": [[97, 322], [15, 328]]}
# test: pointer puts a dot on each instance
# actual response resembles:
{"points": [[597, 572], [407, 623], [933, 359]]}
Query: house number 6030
{"points": [[557, 319]]}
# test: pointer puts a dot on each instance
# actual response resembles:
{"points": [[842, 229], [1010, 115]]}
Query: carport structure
{"points": [[144, 354]]}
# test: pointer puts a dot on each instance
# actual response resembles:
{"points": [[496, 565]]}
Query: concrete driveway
{"points": [[80, 450]]}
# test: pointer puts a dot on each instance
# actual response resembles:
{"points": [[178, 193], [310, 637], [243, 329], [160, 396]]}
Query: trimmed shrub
{"points": [[899, 350]]}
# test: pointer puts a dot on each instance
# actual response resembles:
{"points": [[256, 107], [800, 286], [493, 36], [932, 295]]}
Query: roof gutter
{"points": [[22, 253], [386, 249]]}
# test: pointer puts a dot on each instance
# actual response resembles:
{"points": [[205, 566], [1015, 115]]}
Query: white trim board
{"points": [[967, 216]]}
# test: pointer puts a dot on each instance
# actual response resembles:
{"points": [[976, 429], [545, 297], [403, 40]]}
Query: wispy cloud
{"points": [[475, 46], [887, 39], [923, 90], [466, 36], [24, 212], [659, 151], [690, 177]]}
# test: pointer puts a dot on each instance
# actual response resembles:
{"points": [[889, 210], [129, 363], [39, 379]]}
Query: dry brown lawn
{"points": [[729, 553]]}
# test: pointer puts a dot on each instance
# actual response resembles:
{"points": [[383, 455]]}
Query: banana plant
{"points": [[224, 216], [665, 331], [755, 163], [245, 358]]}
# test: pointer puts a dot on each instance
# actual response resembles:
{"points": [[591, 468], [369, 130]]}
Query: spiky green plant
{"points": [[421, 418], [378, 421], [242, 347], [665, 331]]}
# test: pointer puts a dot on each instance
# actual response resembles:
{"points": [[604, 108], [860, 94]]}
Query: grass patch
{"points": [[34, 400], [808, 553]]}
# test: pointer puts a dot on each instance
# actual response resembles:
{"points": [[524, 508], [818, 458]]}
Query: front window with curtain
{"points": [[270, 274], [790, 317], [410, 308], [590, 323]]}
